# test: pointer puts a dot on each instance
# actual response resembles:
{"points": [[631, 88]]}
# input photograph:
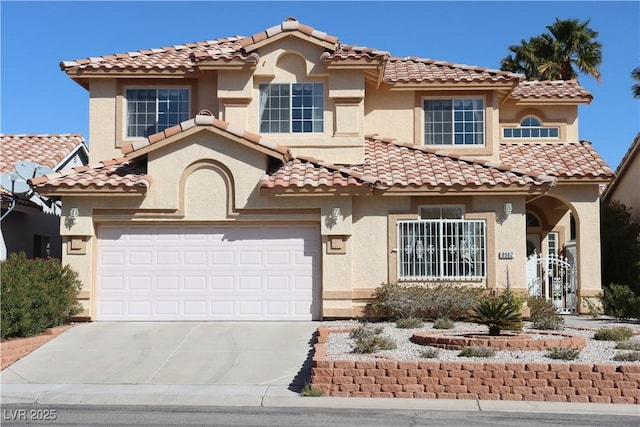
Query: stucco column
{"points": [[337, 298], [585, 203]]}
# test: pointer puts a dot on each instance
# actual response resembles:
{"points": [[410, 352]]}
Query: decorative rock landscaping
{"points": [[553, 382]]}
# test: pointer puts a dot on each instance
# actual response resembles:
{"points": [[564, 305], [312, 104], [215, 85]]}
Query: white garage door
{"points": [[208, 273]]}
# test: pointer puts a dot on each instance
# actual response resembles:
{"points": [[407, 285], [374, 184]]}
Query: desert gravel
{"points": [[339, 346]]}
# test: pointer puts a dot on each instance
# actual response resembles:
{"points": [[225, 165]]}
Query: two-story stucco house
{"points": [[287, 175]]}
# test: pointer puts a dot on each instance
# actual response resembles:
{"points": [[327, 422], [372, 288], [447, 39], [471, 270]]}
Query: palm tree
{"points": [[569, 47], [635, 89]]}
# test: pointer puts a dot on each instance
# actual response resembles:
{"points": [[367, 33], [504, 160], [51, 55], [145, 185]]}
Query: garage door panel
{"points": [[202, 273]]}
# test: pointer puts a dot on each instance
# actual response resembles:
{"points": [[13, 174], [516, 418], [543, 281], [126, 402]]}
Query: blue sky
{"points": [[36, 97]]}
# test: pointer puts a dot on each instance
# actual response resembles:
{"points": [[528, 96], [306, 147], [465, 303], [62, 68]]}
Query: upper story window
{"points": [[530, 127], [151, 110], [292, 108], [457, 121]]}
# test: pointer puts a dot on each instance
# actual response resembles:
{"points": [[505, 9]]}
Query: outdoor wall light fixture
{"points": [[508, 208], [73, 216], [334, 217]]}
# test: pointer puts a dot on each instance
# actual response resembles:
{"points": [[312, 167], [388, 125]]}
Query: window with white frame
{"points": [[292, 108], [530, 128], [151, 110], [444, 246], [457, 121], [552, 244]]}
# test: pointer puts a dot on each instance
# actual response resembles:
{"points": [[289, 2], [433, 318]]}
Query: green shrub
{"points": [[373, 344], [616, 333], [544, 315], [309, 391], [409, 323], [36, 294], [393, 301], [429, 353], [365, 330], [368, 340], [621, 302], [631, 356], [628, 345], [443, 323], [477, 352], [563, 353], [497, 313]]}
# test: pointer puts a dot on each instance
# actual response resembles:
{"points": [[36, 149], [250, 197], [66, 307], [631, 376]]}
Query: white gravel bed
{"points": [[339, 346]]}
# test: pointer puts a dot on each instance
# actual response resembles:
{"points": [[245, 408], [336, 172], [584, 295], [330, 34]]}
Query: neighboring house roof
{"points": [[565, 160], [51, 150], [188, 57], [629, 157], [551, 89], [115, 174]]}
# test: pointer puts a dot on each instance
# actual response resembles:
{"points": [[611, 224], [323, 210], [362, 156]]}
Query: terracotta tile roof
{"points": [[305, 172], [558, 159], [47, 149], [290, 24], [389, 163], [173, 58], [115, 173], [204, 119], [403, 164], [413, 70], [563, 89]]}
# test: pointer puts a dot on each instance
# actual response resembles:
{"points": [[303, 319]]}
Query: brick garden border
{"points": [[551, 382], [15, 349], [515, 341]]}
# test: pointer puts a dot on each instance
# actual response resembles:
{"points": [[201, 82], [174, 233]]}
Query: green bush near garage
{"points": [[36, 294]]}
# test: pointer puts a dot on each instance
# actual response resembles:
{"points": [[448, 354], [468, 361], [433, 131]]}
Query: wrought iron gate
{"points": [[553, 277]]}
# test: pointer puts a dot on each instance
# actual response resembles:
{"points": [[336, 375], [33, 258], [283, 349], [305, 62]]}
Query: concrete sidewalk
{"points": [[269, 396]]}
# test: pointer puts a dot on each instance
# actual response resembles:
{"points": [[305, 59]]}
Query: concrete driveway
{"points": [[222, 353]]}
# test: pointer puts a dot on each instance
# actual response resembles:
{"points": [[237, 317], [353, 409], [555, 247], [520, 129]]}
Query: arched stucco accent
{"points": [[533, 113], [226, 179], [292, 63]]}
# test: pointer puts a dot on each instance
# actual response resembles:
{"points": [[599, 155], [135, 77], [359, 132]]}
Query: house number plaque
{"points": [[505, 255]]}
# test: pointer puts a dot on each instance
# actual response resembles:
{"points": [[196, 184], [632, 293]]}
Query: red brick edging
{"points": [[516, 341], [552, 382], [14, 349]]}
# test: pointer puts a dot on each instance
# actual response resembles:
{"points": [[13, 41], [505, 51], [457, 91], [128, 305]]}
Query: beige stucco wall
{"points": [[565, 117], [626, 190]]}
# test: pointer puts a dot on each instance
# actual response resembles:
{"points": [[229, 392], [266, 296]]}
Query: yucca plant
{"points": [[497, 313]]}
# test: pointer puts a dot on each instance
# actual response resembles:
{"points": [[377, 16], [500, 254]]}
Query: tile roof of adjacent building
{"points": [[113, 174], [46, 149], [548, 89], [206, 119], [565, 160]]}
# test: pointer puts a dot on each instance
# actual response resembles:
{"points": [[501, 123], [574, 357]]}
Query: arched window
{"points": [[530, 128], [532, 220]]}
